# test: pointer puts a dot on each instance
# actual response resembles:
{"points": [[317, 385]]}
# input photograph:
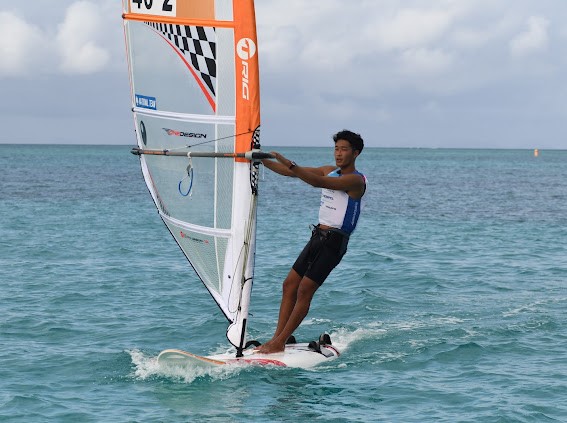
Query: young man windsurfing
{"points": [[342, 190]]}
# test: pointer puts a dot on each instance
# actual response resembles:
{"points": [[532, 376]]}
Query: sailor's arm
{"points": [[352, 183], [277, 167], [285, 167]]}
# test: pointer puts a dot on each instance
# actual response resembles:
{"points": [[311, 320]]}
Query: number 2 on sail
{"points": [[155, 7]]}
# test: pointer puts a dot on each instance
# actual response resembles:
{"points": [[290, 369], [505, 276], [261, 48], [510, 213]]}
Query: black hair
{"points": [[354, 139]]}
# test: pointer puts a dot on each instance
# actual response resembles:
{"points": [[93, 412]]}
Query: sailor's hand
{"points": [[279, 157], [266, 162], [275, 154], [281, 165]]}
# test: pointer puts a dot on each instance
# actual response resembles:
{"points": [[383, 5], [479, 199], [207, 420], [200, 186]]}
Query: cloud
{"points": [[356, 49], [409, 28], [82, 43], [534, 39], [332, 32], [76, 40], [422, 61], [21, 45], [481, 33]]}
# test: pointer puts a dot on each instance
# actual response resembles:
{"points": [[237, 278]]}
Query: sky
{"points": [[402, 73]]}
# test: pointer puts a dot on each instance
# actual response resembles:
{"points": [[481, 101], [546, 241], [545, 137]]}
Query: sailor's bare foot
{"points": [[270, 347], [259, 347]]}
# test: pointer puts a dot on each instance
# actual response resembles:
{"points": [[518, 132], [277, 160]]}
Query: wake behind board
{"points": [[303, 355]]}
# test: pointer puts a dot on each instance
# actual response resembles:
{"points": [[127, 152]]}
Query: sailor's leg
{"points": [[304, 295], [290, 288], [289, 297]]}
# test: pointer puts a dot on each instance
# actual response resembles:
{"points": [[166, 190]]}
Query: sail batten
{"points": [[195, 102], [186, 116], [177, 21], [217, 233]]}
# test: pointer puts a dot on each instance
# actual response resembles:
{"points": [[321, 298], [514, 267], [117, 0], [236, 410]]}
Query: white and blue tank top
{"points": [[338, 209]]}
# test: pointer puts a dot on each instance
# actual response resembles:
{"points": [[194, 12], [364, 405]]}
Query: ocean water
{"points": [[450, 305]]}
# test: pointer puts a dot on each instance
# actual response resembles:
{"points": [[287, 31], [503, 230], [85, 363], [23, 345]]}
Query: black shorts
{"points": [[322, 253]]}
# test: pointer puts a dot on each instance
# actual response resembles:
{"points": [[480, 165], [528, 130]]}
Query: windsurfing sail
{"points": [[194, 80]]}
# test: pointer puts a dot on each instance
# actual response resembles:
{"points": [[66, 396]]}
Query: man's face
{"points": [[344, 153]]}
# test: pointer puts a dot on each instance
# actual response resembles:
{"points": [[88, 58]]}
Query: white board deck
{"points": [[295, 355]]}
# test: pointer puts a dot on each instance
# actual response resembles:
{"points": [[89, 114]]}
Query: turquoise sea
{"points": [[450, 305]]}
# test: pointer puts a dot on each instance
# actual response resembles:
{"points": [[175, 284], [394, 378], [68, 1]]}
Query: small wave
{"points": [[448, 320], [315, 321], [534, 307], [147, 367], [463, 352], [343, 338], [386, 257]]}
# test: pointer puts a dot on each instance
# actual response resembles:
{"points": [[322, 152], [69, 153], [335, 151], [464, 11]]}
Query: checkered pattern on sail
{"points": [[199, 44]]}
